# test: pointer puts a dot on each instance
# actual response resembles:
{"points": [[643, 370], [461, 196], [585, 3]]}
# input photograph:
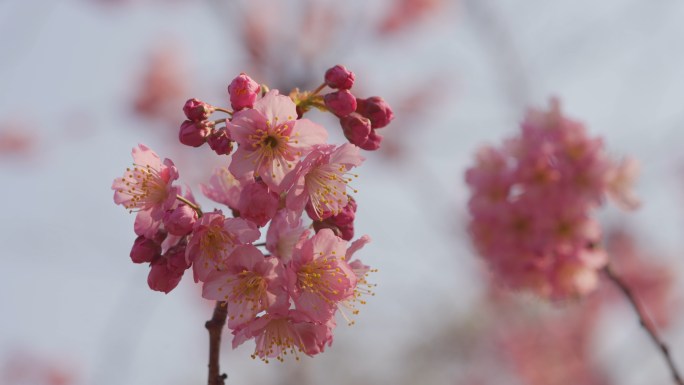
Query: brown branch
{"points": [[215, 328], [645, 322]]}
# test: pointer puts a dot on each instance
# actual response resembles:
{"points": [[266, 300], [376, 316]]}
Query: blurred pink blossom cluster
{"points": [[532, 203], [283, 292], [25, 367]]}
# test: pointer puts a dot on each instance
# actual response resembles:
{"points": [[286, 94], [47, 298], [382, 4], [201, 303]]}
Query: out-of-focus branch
{"points": [[215, 328], [645, 322]]}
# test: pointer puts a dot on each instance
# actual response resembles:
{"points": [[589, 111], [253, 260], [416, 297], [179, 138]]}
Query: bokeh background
{"points": [[83, 81]]}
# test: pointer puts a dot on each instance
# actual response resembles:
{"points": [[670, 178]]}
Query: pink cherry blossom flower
{"points": [[213, 239], [322, 277], [363, 288], [532, 203], [290, 332], [620, 183], [285, 233], [248, 283], [271, 139], [323, 178], [147, 188], [223, 188]]}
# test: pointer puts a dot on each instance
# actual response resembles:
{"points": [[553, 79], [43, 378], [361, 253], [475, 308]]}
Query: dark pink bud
{"points": [[220, 142], [339, 77], [166, 271], [340, 103], [373, 142], [161, 277], [342, 224], [356, 128], [195, 133], [175, 259], [243, 92], [346, 231], [144, 250], [346, 215], [197, 110], [375, 109], [180, 220]]}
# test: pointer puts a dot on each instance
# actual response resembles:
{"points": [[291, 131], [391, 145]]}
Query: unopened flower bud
{"points": [[339, 77], [340, 103], [376, 109], [195, 133], [243, 92], [166, 271], [220, 142], [197, 110], [161, 277], [144, 250], [175, 259], [257, 203], [180, 220], [342, 223], [373, 142], [356, 128]]}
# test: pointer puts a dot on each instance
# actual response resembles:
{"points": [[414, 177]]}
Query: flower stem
{"points": [[229, 112], [193, 206], [645, 322], [318, 89], [215, 328]]}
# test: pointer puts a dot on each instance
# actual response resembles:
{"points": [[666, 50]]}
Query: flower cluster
{"points": [[532, 202], [359, 118], [283, 292]]}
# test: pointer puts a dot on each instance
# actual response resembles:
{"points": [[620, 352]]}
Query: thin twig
{"points": [[645, 322], [215, 328], [193, 206]]}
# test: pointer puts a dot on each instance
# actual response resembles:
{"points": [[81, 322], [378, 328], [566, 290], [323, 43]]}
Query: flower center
{"points": [[320, 277], [327, 187], [214, 242], [271, 142], [278, 337], [249, 288], [145, 186]]}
